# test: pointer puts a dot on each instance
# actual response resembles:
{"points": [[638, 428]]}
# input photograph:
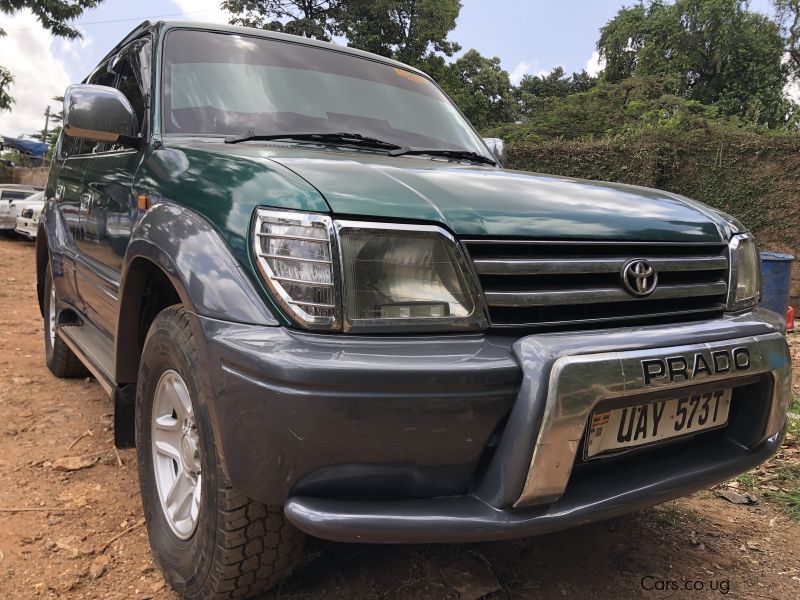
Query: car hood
{"points": [[484, 201]]}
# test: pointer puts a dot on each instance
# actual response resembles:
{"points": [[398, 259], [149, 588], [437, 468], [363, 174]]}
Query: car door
{"points": [[69, 163], [109, 201]]}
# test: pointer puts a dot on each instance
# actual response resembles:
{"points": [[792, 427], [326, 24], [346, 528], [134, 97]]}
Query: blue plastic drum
{"points": [[776, 276]]}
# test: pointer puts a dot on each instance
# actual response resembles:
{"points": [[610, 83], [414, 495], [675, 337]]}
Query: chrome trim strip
{"points": [[579, 382], [714, 308], [303, 281], [314, 304], [291, 237], [572, 266], [595, 296], [296, 258], [721, 244]]}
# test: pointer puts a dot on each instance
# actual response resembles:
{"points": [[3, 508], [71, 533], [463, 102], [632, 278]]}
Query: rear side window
{"points": [[129, 72], [129, 86], [15, 195]]}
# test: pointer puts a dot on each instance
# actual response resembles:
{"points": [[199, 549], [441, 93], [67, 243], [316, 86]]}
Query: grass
{"points": [[788, 502], [788, 498], [794, 403], [747, 479]]}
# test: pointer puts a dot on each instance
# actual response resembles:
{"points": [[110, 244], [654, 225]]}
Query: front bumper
{"points": [[8, 220], [475, 437], [26, 227]]}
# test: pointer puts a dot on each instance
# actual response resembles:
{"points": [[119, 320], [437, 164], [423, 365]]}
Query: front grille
{"points": [[27, 213], [549, 284]]}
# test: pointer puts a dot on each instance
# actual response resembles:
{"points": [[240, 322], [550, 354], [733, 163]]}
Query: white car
{"points": [[27, 214], [10, 192]]}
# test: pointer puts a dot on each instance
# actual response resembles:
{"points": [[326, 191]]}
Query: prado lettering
{"points": [[673, 369]]}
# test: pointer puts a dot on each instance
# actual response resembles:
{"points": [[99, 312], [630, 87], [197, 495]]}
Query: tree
{"points": [[481, 89], [788, 15], [411, 31], [54, 15], [718, 51], [308, 18], [5, 82], [608, 109], [533, 90]]}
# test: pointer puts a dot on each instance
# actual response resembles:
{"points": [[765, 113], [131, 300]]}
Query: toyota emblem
{"points": [[639, 277]]}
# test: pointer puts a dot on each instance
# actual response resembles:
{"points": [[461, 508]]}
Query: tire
{"points": [[237, 547], [61, 361]]}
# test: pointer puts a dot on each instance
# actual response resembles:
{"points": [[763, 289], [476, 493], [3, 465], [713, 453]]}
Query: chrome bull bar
{"points": [[578, 383]]}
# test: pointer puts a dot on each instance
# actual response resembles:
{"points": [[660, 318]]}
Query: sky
{"points": [[529, 36]]}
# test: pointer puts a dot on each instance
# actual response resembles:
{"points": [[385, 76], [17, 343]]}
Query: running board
{"points": [[93, 349]]}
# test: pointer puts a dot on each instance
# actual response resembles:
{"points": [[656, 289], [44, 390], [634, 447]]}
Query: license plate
{"points": [[632, 426]]}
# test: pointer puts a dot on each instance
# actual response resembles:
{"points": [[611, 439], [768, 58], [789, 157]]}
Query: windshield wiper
{"points": [[459, 154], [345, 138]]}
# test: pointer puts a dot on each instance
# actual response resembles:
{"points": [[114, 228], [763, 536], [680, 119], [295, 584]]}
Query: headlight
{"points": [[744, 287], [296, 258], [388, 277], [409, 276]]}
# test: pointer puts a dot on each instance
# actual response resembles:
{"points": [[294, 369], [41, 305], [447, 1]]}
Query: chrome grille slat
{"points": [[522, 266], [598, 295], [621, 319], [534, 283]]}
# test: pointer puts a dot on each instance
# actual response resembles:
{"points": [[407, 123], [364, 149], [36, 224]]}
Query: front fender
{"points": [[198, 263]]}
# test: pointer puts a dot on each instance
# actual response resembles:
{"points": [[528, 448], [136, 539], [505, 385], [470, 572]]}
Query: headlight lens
{"points": [[407, 276], [393, 277], [744, 287]]}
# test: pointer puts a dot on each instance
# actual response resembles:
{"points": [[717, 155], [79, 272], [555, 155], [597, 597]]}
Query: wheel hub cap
{"points": [[190, 455], [176, 454]]}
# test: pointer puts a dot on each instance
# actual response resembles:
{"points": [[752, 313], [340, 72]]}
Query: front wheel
{"points": [[210, 540], [60, 359]]}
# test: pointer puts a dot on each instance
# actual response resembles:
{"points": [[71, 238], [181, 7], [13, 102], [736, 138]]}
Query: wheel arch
{"points": [[145, 290], [176, 256]]}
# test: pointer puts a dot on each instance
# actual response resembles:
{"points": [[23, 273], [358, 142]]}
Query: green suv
{"points": [[322, 306]]}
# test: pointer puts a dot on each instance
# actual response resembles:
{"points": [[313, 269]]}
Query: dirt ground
{"points": [[78, 534]]}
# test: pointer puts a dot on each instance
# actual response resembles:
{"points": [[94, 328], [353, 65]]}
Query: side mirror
{"points": [[498, 149], [99, 114]]}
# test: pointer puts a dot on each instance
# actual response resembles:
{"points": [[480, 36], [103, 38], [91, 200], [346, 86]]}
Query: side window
{"points": [[101, 76], [129, 86], [132, 64]]}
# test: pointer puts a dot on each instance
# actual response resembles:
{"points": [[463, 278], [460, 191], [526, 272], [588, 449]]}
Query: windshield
{"points": [[225, 84]]}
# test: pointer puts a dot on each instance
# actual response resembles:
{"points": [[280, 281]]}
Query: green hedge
{"points": [[753, 176]]}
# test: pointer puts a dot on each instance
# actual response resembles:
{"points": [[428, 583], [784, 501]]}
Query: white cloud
{"points": [[202, 10], [595, 64], [521, 69], [28, 52]]}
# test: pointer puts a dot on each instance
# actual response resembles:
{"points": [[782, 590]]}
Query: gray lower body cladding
{"points": [[475, 437]]}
